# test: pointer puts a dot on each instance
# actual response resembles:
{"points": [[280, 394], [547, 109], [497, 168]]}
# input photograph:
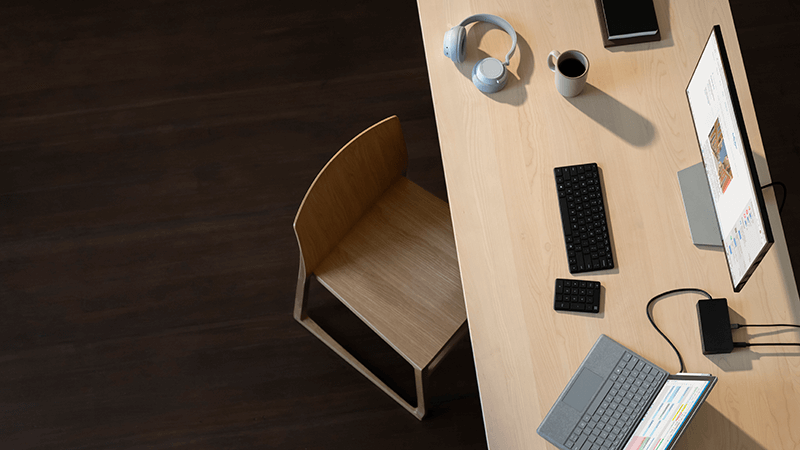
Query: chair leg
{"points": [[301, 294], [323, 336], [421, 380], [301, 315], [454, 339]]}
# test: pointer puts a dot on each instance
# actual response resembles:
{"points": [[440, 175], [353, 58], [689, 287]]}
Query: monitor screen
{"points": [[729, 166]]}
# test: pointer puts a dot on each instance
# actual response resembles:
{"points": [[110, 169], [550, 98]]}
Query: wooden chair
{"points": [[384, 247]]}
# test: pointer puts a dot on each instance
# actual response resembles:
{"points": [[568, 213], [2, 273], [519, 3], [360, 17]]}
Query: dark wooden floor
{"points": [[152, 157]]}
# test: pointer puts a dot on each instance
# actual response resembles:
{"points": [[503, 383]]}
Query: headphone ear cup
{"points": [[489, 75], [455, 44]]}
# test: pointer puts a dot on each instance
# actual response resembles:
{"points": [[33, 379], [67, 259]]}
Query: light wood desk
{"points": [[499, 151]]}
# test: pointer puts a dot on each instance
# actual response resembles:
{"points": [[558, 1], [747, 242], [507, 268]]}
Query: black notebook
{"points": [[628, 21]]}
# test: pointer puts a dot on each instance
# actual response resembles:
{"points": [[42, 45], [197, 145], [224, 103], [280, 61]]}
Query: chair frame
{"points": [[393, 168]]}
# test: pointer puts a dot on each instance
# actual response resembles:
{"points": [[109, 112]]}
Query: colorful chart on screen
{"points": [[667, 415]]}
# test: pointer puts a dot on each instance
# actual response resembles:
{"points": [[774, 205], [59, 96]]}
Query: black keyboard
{"points": [[577, 295], [583, 216]]}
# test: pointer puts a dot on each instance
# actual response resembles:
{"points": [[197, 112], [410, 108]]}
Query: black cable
{"points": [[748, 344], [783, 200], [735, 326], [650, 317]]}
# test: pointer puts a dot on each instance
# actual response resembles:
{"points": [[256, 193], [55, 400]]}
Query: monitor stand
{"points": [[699, 207]]}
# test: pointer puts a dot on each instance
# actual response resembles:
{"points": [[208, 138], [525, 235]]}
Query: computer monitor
{"points": [[728, 161]]}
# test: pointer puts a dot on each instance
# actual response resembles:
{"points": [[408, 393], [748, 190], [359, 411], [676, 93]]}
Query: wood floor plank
{"points": [[152, 157]]}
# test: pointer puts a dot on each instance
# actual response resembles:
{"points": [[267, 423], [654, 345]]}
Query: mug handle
{"points": [[551, 58]]}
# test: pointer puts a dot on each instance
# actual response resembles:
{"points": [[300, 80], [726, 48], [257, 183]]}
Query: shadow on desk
{"points": [[710, 422], [775, 218], [742, 358], [614, 116]]}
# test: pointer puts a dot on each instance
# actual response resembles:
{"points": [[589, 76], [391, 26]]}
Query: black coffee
{"points": [[571, 67]]}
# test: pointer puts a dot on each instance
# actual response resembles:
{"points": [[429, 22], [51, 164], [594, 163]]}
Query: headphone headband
{"points": [[500, 22]]}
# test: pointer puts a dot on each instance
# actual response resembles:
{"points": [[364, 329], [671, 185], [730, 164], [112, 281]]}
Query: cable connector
{"points": [[740, 344], [735, 326]]}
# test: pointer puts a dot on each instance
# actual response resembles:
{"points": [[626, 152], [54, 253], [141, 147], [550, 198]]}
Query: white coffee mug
{"points": [[571, 69]]}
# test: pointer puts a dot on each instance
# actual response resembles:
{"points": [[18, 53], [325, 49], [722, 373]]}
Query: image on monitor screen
{"points": [[720, 156], [728, 161]]}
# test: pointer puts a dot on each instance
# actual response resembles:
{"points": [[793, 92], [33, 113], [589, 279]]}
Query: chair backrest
{"points": [[352, 181]]}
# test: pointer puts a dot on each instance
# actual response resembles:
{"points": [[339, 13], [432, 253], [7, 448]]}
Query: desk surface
{"points": [[633, 120]]}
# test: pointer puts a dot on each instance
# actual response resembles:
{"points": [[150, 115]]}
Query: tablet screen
{"points": [[667, 416]]}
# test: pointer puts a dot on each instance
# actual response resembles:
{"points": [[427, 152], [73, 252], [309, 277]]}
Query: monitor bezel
{"points": [[716, 31]]}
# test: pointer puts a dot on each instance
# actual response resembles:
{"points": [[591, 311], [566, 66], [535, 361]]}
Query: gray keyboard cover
{"points": [[605, 399]]}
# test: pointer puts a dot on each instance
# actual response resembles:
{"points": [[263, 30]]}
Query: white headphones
{"points": [[489, 75]]}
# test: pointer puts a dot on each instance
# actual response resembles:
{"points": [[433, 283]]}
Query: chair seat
{"points": [[415, 301]]}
